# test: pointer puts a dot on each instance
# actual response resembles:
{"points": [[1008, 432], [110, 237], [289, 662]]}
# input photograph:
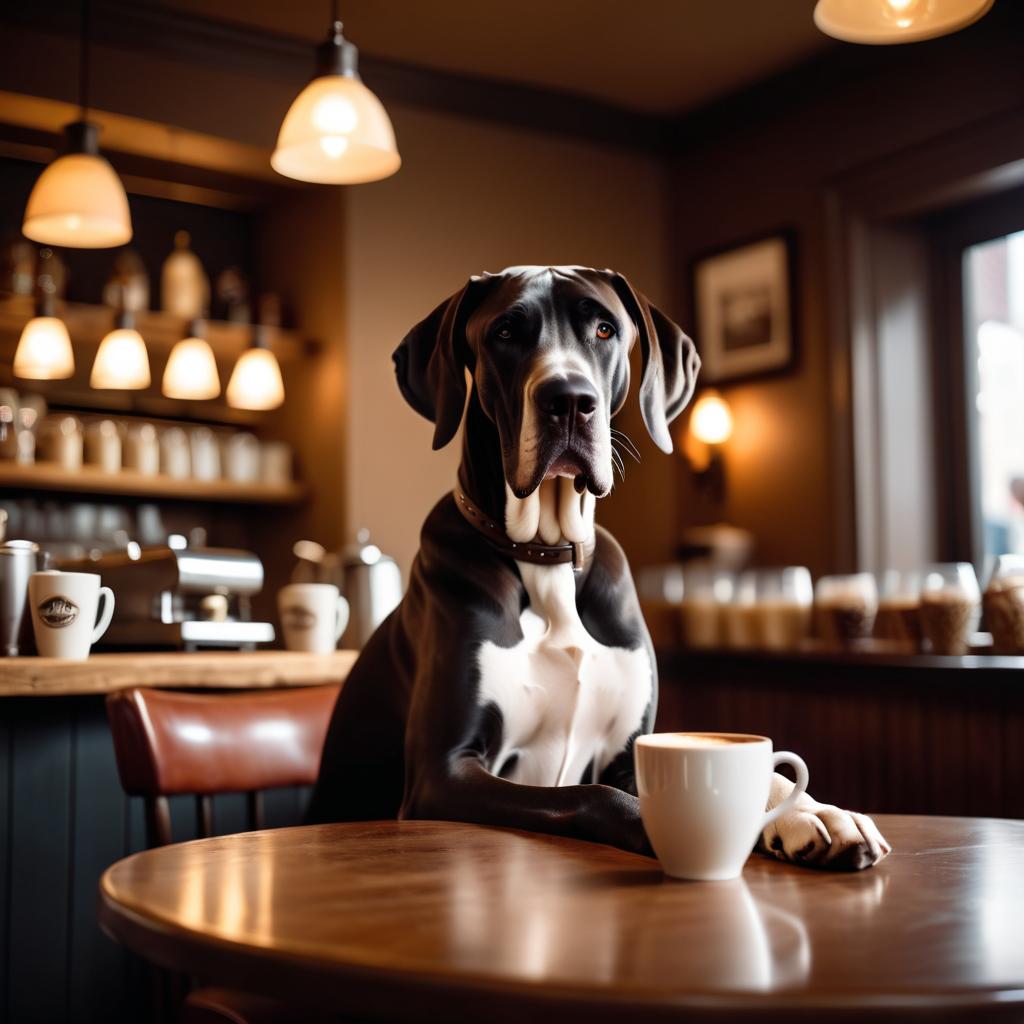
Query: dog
{"points": [[510, 684]]}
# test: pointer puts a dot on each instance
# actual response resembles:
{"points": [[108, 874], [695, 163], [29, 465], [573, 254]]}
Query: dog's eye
{"points": [[505, 333], [605, 330]]}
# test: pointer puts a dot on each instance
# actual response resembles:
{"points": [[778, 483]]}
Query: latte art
{"points": [[58, 612]]}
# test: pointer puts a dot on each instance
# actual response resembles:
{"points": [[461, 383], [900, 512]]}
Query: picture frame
{"points": [[744, 307]]}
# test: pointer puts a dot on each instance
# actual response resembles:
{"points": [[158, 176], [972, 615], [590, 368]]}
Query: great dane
{"points": [[509, 685]]}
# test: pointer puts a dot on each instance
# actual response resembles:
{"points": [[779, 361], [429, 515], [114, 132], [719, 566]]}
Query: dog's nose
{"points": [[564, 398]]}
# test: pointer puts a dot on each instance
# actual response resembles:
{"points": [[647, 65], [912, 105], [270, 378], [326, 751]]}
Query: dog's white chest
{"points": [[566, 701]]}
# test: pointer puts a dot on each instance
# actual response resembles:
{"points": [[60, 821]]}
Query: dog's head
{"points": [[548, 350]]}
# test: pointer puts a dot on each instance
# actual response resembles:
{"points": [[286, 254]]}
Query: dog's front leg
{"points": [[467, 791], [821, 835]]}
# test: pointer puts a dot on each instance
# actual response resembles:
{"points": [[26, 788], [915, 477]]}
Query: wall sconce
{"points": [[710, 426]]}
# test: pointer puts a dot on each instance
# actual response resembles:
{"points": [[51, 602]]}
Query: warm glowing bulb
{"points": [[335, 115], [711, 419], [256, 382], [896, 21], [336, 132], [78, 201], [333, 145], [44, 351], [191, 371], [122, 362]]}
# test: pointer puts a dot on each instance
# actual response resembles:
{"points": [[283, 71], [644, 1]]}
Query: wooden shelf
{"points": [[103, 673], [44, 476]]}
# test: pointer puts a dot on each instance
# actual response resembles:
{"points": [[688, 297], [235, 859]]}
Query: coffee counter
{"points": [[103, 673], [913, 734]]}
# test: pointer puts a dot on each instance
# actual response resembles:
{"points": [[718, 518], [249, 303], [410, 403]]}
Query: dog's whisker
{"points": [[627, 442]]}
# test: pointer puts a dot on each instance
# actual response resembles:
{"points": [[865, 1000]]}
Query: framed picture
{"points": [[743, 300]]}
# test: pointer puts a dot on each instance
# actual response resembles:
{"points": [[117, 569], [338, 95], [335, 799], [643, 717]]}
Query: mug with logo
{"points": [[313, 615], [70, 612], [703, 798]]}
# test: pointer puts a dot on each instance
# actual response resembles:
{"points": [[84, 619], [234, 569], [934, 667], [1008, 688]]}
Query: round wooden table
{"points": [[439, 921]]}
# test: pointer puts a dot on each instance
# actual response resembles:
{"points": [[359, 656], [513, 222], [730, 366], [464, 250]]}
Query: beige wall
{"points": [[471, 197]]}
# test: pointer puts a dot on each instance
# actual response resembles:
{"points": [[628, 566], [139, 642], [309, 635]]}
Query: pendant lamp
{"points": [[896, 21], [256, 380], [44, 349], [191, 370], [79, 201], [122, 362], [336, 131]]}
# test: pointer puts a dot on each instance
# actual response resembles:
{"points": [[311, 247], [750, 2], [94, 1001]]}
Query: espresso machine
{"points": [[180, 598]]}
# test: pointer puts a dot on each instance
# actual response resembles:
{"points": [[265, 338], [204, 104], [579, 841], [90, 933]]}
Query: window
{"points": [[994, 307]]}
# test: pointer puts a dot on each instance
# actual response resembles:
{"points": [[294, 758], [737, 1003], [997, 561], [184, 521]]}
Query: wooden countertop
{"points": [[102, 673]]}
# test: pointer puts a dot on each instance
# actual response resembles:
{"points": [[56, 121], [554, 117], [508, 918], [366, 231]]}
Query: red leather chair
{"points": [[169, 743]]}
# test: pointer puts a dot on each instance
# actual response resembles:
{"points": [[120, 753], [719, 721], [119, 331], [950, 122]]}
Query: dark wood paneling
{"points": [[894, 737], [63, 820], [97, 808], [5, 851], [40, 836]]}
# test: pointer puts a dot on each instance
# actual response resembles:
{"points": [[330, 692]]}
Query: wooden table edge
{"points": [[388, 989]]}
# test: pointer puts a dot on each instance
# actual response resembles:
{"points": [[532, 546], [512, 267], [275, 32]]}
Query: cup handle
{"points": [[106, 613], [341, 621], [802, 777]]}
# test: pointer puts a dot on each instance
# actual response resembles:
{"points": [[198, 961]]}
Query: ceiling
{"points": [[653, 56]]}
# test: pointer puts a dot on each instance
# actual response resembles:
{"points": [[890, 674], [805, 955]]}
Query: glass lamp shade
{"points": [[711, 419], [256, 381], [896, 21], [191, 371], [122, 362], [44, 350], [336, 132], [79, 201]]}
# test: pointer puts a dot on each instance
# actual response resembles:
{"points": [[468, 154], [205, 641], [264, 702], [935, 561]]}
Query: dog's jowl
{"points": [[509, 685]]}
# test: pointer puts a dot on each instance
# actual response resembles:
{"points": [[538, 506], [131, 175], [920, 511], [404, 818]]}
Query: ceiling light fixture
{"points": [[191, 370], [336, 131], [44, 349], [256, 380], [882, 22], [122, 362], [78, 200]]}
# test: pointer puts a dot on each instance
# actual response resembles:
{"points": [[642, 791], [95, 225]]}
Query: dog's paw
{"points": [[824, 836]]}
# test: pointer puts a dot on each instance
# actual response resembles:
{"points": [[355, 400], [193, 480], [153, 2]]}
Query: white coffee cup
{"points": [[313, 615], [703, 798], [64, 612]]}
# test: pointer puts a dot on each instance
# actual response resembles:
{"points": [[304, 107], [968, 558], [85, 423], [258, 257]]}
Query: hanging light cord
{"points": [[334, 13], [83, 60]]}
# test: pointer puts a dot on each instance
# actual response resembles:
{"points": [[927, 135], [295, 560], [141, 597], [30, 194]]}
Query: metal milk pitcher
{"points": [[18, 560], [372, 585]]}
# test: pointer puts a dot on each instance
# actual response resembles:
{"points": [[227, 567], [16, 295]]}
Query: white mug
{"points": [[313, 615], [703, 798], [64, 612]]}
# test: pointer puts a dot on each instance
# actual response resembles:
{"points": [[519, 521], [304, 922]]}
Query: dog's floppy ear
{"points": [[670, 363], [430, 364]]}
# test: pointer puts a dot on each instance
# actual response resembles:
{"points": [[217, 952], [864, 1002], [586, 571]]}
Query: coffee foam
{"points": [[697, 740]]}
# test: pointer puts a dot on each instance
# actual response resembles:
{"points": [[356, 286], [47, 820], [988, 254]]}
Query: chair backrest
{"points": [[169, 743]]}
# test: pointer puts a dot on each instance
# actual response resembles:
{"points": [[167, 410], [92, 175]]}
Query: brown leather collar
{"points": [[538, 554]]}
